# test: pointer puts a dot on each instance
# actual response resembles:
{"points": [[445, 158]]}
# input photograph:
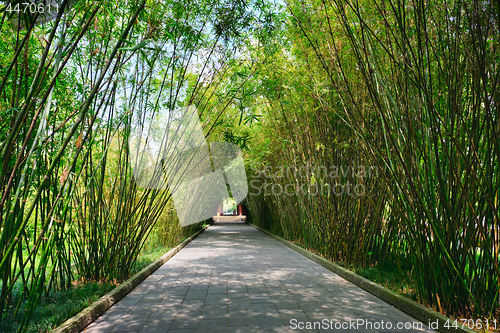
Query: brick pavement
{"points": [[234, 278]]}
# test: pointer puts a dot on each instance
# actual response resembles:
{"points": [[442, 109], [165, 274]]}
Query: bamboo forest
{"points": [[365, 132]]}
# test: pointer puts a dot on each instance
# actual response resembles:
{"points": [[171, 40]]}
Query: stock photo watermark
{"points": [[357, 324], [366, 324], [311, 180], [170, 152]]}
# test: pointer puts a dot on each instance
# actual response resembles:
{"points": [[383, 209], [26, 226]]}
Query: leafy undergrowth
{"points": [[391, 276], [61, 305], [57, 307], [148, 256]]}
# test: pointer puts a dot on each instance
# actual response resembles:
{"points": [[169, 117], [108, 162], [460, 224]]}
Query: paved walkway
{"points": [[234, 278]]}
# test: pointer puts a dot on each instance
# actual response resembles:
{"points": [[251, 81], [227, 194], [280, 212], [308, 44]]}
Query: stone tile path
{"points": [[234, 278]]}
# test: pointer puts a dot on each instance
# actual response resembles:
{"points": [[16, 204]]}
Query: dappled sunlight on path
{"points": [[233, 278]]}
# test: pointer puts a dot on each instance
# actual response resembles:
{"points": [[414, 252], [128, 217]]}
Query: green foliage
{"points": [[389, 275], [408, 88], [57, 307], [73, 89]]}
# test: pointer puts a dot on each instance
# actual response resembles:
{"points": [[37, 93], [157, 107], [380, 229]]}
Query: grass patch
{"points": [[57, 307], [148, 256], [54, 309], [389, 275]]}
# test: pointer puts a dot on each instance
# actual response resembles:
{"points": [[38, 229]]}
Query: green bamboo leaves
{"points": [[72, 90], [410, 87]]}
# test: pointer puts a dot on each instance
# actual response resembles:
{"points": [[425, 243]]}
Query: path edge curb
{"points": [[412, 308], [82, 319]]}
